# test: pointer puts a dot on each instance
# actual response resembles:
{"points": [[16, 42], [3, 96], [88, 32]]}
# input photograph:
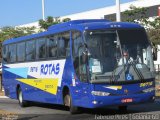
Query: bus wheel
{"points": [[122, 108], [68, 102], [22, 103]]}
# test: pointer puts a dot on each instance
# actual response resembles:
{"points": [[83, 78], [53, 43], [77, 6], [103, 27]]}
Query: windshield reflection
{"points": [[115, 54]]}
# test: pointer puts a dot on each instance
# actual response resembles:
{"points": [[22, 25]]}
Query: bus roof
{"points": [[88, 24]]}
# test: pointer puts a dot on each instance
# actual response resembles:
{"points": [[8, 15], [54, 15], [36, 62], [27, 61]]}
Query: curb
{"points": [[3, 97], [157, 97]]}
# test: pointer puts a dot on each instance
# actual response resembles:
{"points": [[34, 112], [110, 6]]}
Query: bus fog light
{"points": [[94, 102], [153, 98], [99, 93], [149, 90]]}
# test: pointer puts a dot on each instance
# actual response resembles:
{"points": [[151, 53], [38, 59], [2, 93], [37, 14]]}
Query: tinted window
{"points": [[12, 53], [5, 54], [76, 41], [21, 51], [52, 46], [41, 48], [63, 44], [30, 50]]}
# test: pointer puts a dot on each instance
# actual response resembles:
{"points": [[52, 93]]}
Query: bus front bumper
{"points": [[104, 101]]}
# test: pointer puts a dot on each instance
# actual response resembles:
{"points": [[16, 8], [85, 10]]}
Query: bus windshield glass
{"points": [[119, 55]]}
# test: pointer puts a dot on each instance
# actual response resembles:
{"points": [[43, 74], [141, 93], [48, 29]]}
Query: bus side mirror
{"points": [[154, 53], [85, 54], [117, 43], [85, 57]]}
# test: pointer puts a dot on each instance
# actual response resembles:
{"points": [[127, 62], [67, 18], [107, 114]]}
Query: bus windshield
{"points": [[119, 55]]}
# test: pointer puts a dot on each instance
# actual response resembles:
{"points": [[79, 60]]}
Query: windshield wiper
{"points": [[139, 74], [113, 73]]}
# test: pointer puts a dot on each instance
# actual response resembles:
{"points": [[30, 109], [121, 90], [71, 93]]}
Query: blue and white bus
{"points": [[82, 63]]}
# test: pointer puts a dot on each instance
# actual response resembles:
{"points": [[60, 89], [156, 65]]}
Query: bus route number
{"points": [[49, 86], [33, 69]]}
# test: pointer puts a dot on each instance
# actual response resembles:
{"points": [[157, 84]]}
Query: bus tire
{"points": [[68, 102], [122, 108], [22, 103]]}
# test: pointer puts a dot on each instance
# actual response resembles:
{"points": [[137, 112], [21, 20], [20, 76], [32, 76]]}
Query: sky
{"points": [[18, 12]]}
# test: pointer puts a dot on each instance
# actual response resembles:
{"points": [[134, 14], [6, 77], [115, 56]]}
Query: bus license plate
{"points": [[127, 100]]}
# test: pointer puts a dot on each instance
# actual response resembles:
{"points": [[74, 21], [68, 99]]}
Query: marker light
{"points": [[115, 26]]}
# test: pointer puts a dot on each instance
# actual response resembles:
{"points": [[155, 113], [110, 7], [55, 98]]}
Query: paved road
{"points": [[10, 109]]}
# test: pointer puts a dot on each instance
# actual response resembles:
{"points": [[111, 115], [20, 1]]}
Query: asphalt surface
{"points": [[10, 109]]}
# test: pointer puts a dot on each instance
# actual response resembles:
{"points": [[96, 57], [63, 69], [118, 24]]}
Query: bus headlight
{"points": [[99, 93], [149, 90]]}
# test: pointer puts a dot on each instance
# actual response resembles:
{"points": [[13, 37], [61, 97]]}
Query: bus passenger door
{"points": [[82, 84]]}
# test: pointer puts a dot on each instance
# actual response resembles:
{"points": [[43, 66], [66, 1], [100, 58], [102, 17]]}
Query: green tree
{"points": [[135, 12], [152, 27], [154, 35], [66, 19], [14, 32], [155, 24], [154, 31], [44, 24]]}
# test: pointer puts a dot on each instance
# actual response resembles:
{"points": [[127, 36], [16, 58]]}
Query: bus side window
{"points": [[63, 44], [52, 46], [21, 52], [5, 54], [12, 53], [41, 48], [76, 43], [30, 50]]}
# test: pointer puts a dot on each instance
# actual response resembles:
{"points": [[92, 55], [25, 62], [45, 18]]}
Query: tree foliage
{"points": [[66, 19], [14, 32], [154, 31], [152, 27], [44, 24], [155, 24], [135, 12], [154, 35]]}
